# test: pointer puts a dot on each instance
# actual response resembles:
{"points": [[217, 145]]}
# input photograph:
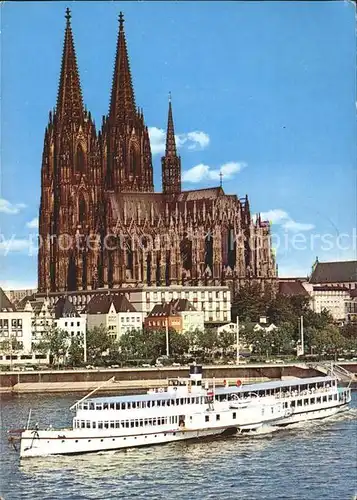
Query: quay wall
{"points": [[126, 378]]}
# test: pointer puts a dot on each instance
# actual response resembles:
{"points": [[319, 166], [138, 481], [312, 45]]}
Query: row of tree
{"points": [[140, 346]]}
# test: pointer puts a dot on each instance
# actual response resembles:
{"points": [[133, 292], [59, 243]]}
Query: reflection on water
{"points": [[307, 461]]}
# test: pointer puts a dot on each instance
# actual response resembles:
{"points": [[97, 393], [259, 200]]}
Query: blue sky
{"points": [[265, 91]]}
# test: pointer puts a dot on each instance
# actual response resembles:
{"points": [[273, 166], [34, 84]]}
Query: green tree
{"points": [[99, 344], [249, 303], [226, 340], [54, 342], [75, 351], [328, 340], [207, 343], [349, 331], [11, 344], [179, 344]]}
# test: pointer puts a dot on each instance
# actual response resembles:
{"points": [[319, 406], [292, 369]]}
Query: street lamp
{"points": [[237, 340], [167, 338]]}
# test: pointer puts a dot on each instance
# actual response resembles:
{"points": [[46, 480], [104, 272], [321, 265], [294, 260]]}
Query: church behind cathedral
{"points": [[102, 224]]}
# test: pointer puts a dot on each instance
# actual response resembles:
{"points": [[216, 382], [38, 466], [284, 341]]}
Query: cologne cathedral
{"points": [[101, 223]]}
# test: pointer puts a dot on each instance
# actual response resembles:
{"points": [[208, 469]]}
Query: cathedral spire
{"points": [[69, 100], [170, 135], [171, 163], [122, 102]]}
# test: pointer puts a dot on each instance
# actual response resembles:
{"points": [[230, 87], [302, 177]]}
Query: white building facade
{"points": [[213, 301], [332, 299]]}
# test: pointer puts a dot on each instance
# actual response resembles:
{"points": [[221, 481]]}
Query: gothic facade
{"points": [[102, 224]]}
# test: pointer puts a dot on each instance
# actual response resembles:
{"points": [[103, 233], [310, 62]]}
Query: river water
{"points": [[311, 461]]}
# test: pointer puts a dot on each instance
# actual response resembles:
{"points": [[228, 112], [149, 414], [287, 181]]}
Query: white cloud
{"points": [[275, 216], [203, 172], [291, 225], [32, 224], [28, 245], [157, 140], [18, 285], [282, 218], [196, 140], [6, 207]]}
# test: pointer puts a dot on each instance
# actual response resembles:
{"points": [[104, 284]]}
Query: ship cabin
{"points": [[295, 392]]}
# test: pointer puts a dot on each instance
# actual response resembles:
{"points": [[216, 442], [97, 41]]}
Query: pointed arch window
{"points": [[134, 160], [82, 210], [80, 160]]}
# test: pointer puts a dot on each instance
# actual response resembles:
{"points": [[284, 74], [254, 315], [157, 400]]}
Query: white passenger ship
{"points": [[183, 410], [186, 410]]}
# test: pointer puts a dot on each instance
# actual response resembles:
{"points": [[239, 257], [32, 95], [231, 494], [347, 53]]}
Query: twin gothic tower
{"points": [[102, 225]]}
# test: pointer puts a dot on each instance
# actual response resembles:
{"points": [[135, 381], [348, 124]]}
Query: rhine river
{"points": [[312, 461]]}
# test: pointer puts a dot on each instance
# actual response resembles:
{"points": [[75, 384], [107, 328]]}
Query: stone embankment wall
{"points": [[128, 378]]}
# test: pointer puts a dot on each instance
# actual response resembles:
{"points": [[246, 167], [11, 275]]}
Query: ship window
{"points": [[136, 423], [100, 425], [105, 406], [112, 425], [218, 417], [158, 402], [76, 441], [132, 423], [330, 397], [91, 406], [117, 406], [83, 424], [98, 406], [143, 404], [335, 397], [293, 403], [206, 418], [324, 399], [141, 423], [127, 424], [312, 401], [173, 402], [234, 415], [117, 424], [123, 406], [88, 424], [129, 406], [133, 404], [318, 400], [85, 406], [112, 406], [299, 402], [306, 401], [94, 425]]}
